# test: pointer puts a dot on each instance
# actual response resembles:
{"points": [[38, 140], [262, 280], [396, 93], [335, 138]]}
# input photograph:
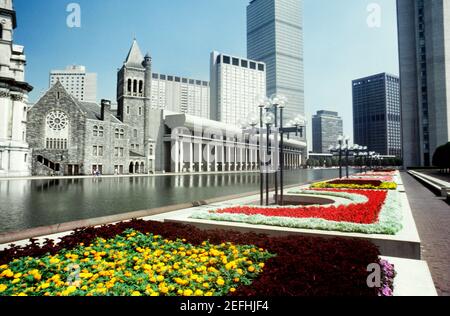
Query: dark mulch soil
{"points": [[304, 266]]}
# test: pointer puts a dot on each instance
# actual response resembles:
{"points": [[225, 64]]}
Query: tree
{"points": [[441, 157]]}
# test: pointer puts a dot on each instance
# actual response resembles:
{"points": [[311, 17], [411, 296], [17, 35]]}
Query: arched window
{"points": [[122, 134], [135, 133], [95, 132], [100, 131], [116, 132], [135, 86], [129, 86], [140, 111], [141, 87]]}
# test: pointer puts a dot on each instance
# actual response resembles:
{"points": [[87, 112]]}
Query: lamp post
{"points": [[262, 103], [268, 120]]}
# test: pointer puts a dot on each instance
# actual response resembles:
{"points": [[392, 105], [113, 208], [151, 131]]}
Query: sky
{"points": [[339, 44]]}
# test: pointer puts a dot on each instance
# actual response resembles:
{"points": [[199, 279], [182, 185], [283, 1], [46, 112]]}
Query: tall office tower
{"points": [[376, 114], [424, 52], [14, 150], [235, 85], [180, 94], [80, 84], [275, 37], [326, 128]]}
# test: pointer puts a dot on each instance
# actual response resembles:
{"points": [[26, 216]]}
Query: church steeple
{"points": [[135, 57]]}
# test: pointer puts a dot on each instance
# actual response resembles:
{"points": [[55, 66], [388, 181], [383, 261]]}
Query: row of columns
{"points": [[188, 156]]}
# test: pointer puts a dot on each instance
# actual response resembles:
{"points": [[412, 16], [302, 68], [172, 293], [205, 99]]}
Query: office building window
{"points": [[226, 60], [235, 62]]}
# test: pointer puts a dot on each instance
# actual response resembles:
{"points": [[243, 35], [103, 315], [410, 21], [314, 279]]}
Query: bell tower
{"points": [[132, 97]]}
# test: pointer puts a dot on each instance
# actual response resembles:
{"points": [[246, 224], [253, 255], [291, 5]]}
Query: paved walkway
{"points": [[432, 216]]}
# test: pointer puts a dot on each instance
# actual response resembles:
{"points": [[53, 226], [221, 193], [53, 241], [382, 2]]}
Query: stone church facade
{"points": [[70, 137]]}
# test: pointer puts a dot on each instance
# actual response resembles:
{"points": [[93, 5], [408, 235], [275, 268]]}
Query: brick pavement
{"points": [[432, 216]]}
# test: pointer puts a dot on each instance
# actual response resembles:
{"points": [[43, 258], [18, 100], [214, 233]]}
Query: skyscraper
{"points": [[376, 114], [181, 94], [326, 128], [80, 84], [275, 37], [235, 84], [424, 51], [14, 150]]}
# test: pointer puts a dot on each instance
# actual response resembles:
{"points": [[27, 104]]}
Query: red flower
{"points": [[363, 213]]}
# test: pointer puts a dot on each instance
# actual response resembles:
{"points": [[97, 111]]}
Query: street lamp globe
{"points": [[253, 119], [268, 118], [263, 102]]}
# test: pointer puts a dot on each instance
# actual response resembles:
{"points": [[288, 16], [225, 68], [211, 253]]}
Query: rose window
{"points": [[57, 120]]}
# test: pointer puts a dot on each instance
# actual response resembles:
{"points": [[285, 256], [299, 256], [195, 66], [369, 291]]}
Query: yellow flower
{"points": [[206, 285], [208, 294], [240, 271], [15, 281], [3, 267], [22, 294], [251, 269], [261, 265], [187, 292], [3, 288], [220, 282], [232, 290], [198, 293], [17, 275], [8, 273], [159, 278], [54, 260], [236, 280], [136, 293]]}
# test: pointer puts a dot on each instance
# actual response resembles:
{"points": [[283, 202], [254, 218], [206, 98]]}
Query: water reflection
{"points": [[26, 204]]}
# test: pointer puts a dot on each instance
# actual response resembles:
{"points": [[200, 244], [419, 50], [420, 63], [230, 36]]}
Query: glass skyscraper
{"points": [[275, 37], [376, 114], [326, 127]]}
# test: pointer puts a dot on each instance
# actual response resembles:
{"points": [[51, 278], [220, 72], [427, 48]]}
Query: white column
{"points": [[251, 158], [216, 160], [229, 158], [208, 157], [235, 157], [191, 157], [177, 157], [223, 157], [200, 156], [181, 156]]}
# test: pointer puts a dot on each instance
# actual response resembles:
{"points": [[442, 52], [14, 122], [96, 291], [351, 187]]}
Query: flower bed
{"points": [[280, 266], [378, 214], [355, 184]]}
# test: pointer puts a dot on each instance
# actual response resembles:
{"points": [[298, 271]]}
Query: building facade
{"points": [[327, 126], [80, 84], [236, 85], [275, 37], [14, 150], [180, 94], [424, 55], [73, 137], [376, 114]]}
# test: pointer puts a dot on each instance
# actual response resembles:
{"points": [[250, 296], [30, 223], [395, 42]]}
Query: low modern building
{"points": [[376, 114], [326, 128], [79, 83], [236, 85], [14, 150], [181, 94]]}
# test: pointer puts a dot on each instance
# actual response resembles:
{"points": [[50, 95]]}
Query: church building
{"points": [[71, 137]]}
